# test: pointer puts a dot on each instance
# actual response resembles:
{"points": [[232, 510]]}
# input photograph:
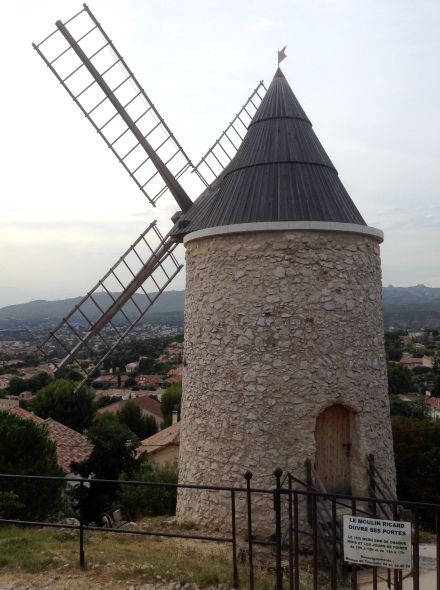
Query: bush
{"points": [[143, 501], [27, 450]]}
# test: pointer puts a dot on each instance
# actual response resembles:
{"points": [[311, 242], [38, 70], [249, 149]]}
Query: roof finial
{"points": [[281, 54]]}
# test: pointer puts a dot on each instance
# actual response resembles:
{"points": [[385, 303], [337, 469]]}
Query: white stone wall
{"points": [[278, 326]]}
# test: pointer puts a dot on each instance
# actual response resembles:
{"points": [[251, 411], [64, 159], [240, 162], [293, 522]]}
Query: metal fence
{"points": [[300, 555]]}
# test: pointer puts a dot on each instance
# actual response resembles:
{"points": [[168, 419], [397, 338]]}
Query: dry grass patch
{"points": [[27, 552]]}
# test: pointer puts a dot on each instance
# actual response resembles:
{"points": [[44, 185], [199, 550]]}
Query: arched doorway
{"points": [[333, 445]]}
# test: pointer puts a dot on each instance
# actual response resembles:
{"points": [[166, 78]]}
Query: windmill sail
{"points": [[90, 68], [225, 147], [116, 304]]}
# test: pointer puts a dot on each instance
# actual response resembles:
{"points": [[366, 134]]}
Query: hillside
{"points": [[410, 295], [413, 308], [403, 307], [170, 301]]}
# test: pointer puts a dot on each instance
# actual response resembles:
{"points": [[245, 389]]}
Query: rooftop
{"points": [[280, 173]]}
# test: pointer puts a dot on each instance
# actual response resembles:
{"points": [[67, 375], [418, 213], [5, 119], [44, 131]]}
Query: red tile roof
{"points": [[71, 445]]}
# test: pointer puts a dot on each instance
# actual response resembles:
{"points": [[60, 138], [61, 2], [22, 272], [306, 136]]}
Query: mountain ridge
{"points": [[406, 307]]}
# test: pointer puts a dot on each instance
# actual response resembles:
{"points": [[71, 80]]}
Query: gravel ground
{"points": [[83, 581]]}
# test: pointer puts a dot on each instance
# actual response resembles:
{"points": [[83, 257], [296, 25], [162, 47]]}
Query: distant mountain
{"points": [[169, 301], [403, 307], [411, 308], [409, 295]]}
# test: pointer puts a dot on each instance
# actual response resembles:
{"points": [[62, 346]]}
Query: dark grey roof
{"points": [[281, 172]]}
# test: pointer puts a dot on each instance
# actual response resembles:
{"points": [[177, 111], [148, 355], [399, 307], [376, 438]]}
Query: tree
{"points": [[399, 379], [60, 401], [417, 456], [418, 410], [106, 400], [146, 365], [27, 450], [113, 456], [170, 401], [131, 415], [435, 391], [17, 385]]}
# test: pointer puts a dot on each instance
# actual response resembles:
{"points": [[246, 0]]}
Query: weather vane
{"points": [[281, 54]]}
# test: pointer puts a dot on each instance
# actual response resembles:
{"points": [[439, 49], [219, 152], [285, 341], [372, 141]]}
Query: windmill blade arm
{"points": [[176, 190], [130, 273], [135, 284], [89, 67]]}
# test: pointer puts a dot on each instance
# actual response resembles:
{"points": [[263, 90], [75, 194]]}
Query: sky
{"points": [[365, 72]]}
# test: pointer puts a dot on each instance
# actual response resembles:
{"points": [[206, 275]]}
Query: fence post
{"points": [[81, 524], [248, 477], [234, 541], [278, 472], [310, 487]]}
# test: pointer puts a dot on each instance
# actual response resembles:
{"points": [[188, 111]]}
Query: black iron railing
{"points": [[294, 551]]}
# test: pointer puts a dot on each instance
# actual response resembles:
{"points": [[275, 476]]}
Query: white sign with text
{"points": [[372, 541]]}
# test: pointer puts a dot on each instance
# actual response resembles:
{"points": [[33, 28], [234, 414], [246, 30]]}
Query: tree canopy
{"points": [[399, 379], [27, 450], [131, 415], [60, 401], [113, 456], [171, 400], [418, 409], [417, 456]]}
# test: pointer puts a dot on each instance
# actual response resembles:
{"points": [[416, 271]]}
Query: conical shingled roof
{"points": [[281, 172]]}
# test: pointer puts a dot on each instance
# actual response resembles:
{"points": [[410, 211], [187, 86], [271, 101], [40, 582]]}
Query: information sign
{"points": [[372, 541]]}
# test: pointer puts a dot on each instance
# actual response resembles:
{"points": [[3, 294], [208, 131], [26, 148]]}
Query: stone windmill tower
{"points": [[283, 332]]}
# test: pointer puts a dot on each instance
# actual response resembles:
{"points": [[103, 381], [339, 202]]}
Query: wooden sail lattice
{"points": [[106, 315]]}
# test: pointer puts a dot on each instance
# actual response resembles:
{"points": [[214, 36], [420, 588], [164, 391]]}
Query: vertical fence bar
{"points": [[397, 583], [334, 564], [278, 472], [234, 541], [354, 584], [290, 535], [81, 525], [416, 556], [315, 543], [248, 477], [296, 539], [374, 515], [437, 545]]}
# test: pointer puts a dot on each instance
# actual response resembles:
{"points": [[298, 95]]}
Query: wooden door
{"points": [[333, 444]]}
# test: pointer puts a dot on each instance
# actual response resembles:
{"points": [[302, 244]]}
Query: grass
{"points": [[115, 558], [121, 557]]}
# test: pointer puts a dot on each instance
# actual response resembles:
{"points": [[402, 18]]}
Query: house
{"points": [[112, 380], [150, 380], [149, 407], [130, 367], [163, 446], [175, 379], [434, 404], [71, 445], [411, 362], [7, 404], [4, 380]]}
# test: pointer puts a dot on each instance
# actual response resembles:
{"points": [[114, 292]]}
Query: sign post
{"points": [[371, 541]]}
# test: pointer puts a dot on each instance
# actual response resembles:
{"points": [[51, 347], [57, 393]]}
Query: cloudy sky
{"points": [[366, 72]]}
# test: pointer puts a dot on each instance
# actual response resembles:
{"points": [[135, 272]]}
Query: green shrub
{"points": [[151, 500]]}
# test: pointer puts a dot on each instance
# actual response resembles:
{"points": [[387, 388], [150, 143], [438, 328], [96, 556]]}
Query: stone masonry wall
{"points": [[278, 326]]}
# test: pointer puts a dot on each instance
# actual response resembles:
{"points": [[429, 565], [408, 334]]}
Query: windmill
{"points": [[92, 71], [284, 352]]}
